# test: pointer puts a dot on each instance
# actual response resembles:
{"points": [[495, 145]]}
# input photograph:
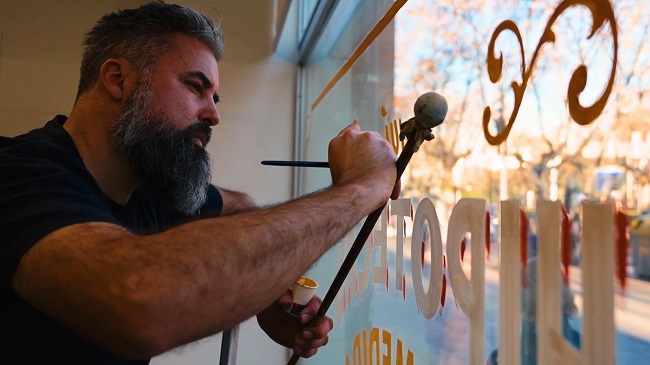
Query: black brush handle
{"points": [[357, 246], [296, 163]]}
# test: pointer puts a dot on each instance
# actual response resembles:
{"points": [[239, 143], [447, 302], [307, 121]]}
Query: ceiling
{"points": [[54, 29]]}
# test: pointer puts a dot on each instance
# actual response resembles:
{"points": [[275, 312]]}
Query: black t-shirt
{"points": [[44, 186]]}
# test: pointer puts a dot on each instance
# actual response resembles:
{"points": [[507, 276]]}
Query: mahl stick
{"points": [[430, 111]]}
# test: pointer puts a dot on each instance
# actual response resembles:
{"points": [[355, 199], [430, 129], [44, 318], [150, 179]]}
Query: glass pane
{"points": [[562, 177], [306, 12]]}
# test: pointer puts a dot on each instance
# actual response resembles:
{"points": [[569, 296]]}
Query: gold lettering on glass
{"points": [[602, 13]]}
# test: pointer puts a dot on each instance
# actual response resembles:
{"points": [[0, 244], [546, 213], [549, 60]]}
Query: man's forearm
{"points": [[188, 282], [274, 245]]}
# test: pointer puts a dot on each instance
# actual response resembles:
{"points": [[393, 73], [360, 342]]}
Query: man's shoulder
{"points": [[50, 141], [47, 155], [49, 129]]}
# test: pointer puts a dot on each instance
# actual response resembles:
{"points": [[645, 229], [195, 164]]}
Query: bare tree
{"points": [[449, 56]]}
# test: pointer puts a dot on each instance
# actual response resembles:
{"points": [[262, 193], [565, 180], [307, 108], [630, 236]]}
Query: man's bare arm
{"points": [[139, 296]]}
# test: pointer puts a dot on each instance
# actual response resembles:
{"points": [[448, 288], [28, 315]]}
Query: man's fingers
{"points": [[304, 353], [311, 338], [309, 312], [397, 189], [353, 126]]}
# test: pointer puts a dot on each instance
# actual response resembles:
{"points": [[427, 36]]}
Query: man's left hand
{"points": [[295, 332]]}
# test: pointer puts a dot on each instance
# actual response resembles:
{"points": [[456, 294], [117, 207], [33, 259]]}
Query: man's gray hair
{"points": [[139, 35]]}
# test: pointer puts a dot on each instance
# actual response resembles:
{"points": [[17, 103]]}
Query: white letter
{"points": [[379, 239], [598, 342], [469, 216], [552, 348], [510, 283], [427, 301], [401, 208]]}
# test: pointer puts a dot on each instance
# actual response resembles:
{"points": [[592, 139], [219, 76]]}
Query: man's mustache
{"points": [[199, 129]]}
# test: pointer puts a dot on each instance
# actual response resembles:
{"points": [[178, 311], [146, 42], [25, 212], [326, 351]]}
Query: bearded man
{"points": [[116, 246]]}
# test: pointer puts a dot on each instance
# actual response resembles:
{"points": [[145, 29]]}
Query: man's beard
{"points": [[168, 160]]}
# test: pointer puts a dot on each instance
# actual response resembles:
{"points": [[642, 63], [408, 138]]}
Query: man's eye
{"points": [[196, 87]]}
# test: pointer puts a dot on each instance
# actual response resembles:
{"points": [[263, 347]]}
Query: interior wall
{"points": [[40, 51]]}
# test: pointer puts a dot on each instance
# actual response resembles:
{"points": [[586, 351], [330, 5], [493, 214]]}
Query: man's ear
{"points": [[117, 75]]}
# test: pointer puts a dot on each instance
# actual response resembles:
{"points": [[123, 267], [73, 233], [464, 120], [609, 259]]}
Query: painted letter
{"points": [[428, 301], [469, 216]]}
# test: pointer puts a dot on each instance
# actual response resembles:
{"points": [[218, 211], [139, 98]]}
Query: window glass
{"points": [[339, 89], [561, 244], [305, 14]]}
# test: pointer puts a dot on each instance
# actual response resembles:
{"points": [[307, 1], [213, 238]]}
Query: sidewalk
{"points": [[631, 318], [631, 313]]}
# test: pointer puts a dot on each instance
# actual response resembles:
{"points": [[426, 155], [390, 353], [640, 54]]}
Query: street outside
{"points": [[444, 339]]}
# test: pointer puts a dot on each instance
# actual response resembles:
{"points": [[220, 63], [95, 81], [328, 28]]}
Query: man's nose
{"points": [[210, 114]]}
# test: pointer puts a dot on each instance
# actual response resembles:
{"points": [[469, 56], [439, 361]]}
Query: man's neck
{"points": [[90, 132]]}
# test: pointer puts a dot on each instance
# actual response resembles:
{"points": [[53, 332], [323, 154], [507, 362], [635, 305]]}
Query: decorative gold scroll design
{"points": [[601, 11]]}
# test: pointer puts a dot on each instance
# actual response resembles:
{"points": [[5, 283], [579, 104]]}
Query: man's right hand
{"points": [[365, 158]]}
